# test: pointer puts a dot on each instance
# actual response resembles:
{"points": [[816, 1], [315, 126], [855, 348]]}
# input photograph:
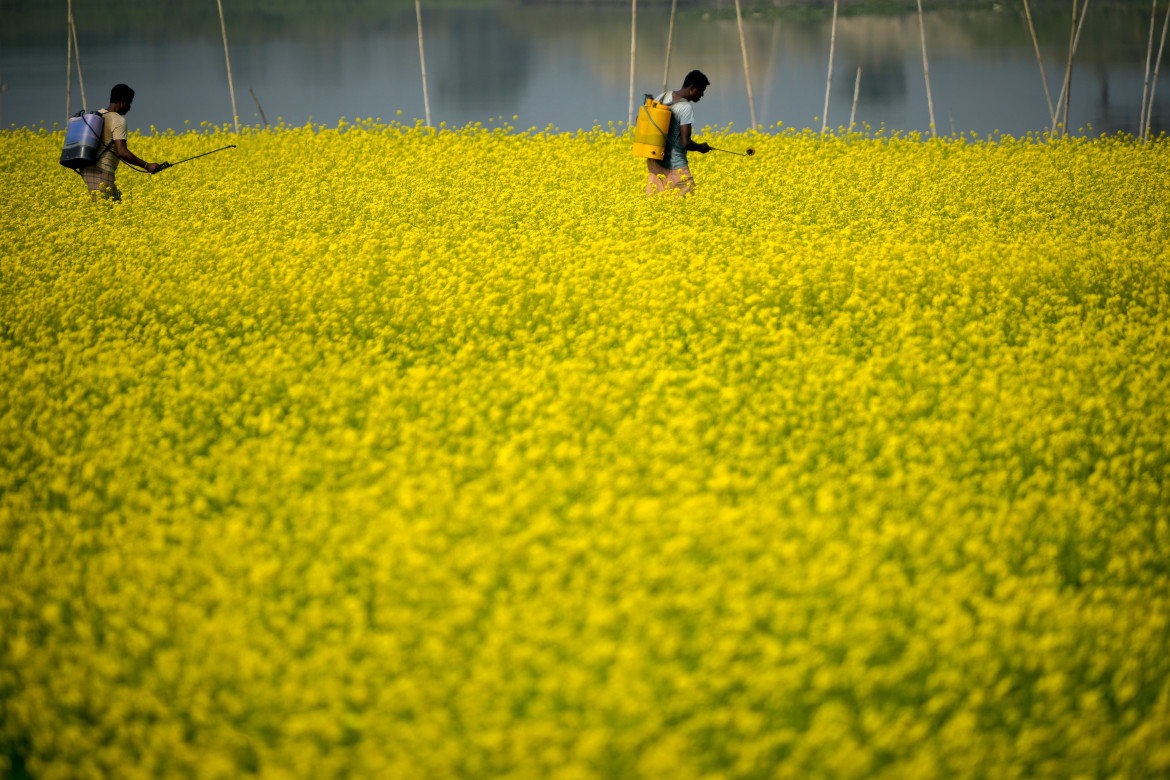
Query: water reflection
{"points": [[489, 63], [569, 66], [885, 82]]}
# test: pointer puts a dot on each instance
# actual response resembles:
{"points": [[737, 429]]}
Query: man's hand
{"points": [[703, 148], [153, 167]]}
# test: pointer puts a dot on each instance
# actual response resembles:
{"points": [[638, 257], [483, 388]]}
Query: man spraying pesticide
{"points": [[105, 128], [663, 133], [89, 136], [665, 147]]}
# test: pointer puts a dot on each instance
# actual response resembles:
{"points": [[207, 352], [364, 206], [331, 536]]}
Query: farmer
{"points": [[678, 139], [99, 177]]}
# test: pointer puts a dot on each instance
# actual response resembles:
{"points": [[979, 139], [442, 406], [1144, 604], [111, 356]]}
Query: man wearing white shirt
{"points": [[674, 169], [100, 176]]}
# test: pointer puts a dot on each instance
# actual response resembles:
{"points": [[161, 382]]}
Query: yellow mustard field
{"points": [[366, 451]]}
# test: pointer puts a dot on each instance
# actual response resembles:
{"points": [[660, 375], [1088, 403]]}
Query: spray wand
{"points": [[750, 151], [164, 166]]}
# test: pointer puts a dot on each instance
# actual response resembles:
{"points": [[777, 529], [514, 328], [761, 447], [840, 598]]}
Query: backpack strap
{"points": [[102, 113]]}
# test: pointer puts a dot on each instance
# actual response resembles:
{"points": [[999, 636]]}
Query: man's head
{"points": [[694, 85], [121, 96]]}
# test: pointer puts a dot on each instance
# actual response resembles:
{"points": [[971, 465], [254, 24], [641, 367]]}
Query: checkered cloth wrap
{"points": [[100, 183]]}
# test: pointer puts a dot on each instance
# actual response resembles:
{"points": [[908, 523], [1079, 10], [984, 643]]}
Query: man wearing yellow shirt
{"points": [[99, 177]]}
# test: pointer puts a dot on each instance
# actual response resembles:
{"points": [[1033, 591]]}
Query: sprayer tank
{"points": [[83, 140], [651, 129]]}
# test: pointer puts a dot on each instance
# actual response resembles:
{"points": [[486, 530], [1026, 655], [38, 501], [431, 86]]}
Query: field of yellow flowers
{"points": [[366, 451]]}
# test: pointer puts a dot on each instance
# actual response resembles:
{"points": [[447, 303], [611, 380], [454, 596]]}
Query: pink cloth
{"points": [[677, 179]]}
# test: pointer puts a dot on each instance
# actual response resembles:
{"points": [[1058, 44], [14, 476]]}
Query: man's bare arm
{"points": [[688, 144], [124, 152]]}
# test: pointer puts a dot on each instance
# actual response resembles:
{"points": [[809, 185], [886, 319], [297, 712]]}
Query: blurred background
{"points": [[566, 64]]}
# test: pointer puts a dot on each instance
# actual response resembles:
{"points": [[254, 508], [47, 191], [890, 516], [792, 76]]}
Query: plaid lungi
{"points": [[100, 183]]}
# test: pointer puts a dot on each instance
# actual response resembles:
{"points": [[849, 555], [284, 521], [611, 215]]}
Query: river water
{"points": [[568, 65]]}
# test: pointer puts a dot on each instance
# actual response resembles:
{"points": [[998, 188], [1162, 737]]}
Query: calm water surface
{"points": [[568, 66]]}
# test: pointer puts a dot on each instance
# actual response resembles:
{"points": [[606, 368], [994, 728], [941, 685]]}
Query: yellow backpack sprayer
{"points": [[650, 131]]}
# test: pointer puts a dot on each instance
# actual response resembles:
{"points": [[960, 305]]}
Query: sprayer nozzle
{"points": [[750, 151]]}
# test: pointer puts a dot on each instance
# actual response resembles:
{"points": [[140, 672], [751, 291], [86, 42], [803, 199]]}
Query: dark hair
{"points": [[121, 94], [696, 79]]}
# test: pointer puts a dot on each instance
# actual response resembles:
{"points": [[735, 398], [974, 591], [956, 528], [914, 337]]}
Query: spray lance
{"points": [[163, 166], [750, 151], [166, 165]]}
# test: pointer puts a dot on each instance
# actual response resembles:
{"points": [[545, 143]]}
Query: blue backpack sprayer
{"points": [[83, 136], [83, 143]]}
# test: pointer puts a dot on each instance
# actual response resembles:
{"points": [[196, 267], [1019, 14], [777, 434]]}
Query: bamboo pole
{"points": [[77, 59], [669, 41], [69, 64], [1154, 83], [747, 76], [258, 106], [1072, 47], [422, 62], [829, 79], [1149, 53], [856, 90], [1076, 46], [1043, 77], [926, 67], [227, 58], [633, 39]]}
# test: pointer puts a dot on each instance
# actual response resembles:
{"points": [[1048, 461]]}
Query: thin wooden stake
{"points": [[1154, 83], [926, 67], [1149, 53], [422, 62], [747, 75], [1072, 47], [227, 58], [69, 63], [77, 51], [1043, 77], [669, 41], [258, 107], [856, 90], [829, 79], [633, 40], [1076, 46]]}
